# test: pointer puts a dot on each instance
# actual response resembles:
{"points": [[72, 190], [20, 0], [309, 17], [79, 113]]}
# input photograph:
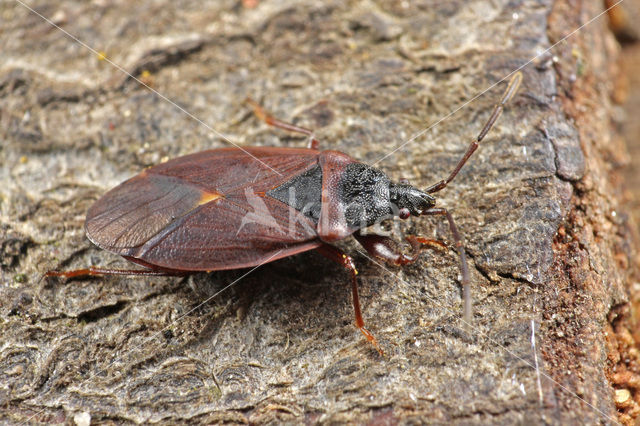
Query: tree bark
{"points": [[540, 207]]}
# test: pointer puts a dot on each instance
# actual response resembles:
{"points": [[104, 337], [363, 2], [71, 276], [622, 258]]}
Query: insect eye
{"points": [[404, 213]]}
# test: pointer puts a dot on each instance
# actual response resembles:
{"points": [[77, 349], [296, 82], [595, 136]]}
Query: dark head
{"points": [[368, 196], [409, 200]]}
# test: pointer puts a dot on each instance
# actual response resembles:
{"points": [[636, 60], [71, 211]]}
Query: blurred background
{"points": [[624, 20]]}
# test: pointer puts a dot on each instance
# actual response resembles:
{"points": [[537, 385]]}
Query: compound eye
{"points": [[404, 213]]}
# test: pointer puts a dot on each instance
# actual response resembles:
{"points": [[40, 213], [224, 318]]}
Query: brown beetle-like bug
{"points": [[241, 207]]}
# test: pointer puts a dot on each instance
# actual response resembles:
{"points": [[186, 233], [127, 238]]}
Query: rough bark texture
{"points": [[538, 206]]}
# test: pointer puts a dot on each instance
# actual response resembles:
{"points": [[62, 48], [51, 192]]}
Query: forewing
{"points": [[231, 170], [202, 211], [136, 210], [228, 234]]}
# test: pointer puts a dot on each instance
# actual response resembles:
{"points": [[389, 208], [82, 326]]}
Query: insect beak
{"points": [[429, 200], [420, 202], [412, 201]]}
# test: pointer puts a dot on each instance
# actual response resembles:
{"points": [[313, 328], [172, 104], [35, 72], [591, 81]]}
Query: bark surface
{"points": [[538, 206]]}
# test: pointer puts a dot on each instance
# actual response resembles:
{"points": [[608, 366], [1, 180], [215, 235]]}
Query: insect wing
{"points": [[206, 211]]}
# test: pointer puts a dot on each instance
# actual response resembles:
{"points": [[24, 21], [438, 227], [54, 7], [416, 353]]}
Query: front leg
{"points": [[386, 249]]}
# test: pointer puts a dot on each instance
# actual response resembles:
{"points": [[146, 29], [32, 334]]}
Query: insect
{"points": [[241, 207]]}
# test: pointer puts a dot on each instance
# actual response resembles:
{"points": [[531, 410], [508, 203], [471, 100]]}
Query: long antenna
{"points": [[509, 93]]}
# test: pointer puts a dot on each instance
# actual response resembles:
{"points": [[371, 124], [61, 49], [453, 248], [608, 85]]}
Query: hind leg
{"points": [[272, 121]]}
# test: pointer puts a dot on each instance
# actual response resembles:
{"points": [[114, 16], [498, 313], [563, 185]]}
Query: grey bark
{"points": [[280, 344]]}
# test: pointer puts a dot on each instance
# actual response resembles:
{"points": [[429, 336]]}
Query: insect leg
{"points": [[385, 248], [464, 267], [272, 121], [509, 93], [97, 271], [346, 261]]}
